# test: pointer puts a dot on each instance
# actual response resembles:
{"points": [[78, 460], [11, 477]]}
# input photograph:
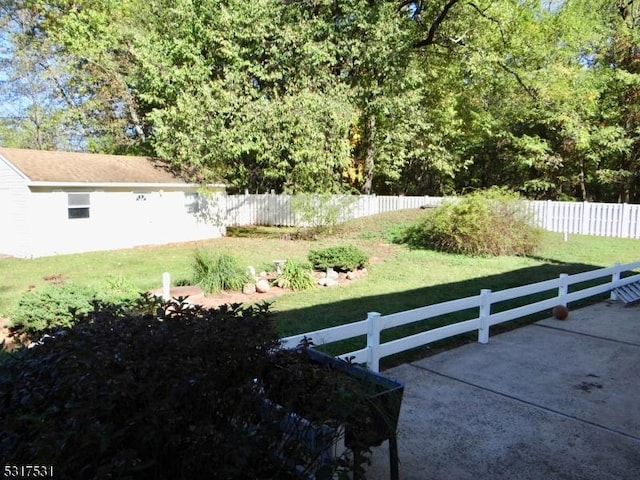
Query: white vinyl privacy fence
{"points": [[270, 209], [620, 220], [565, 289], [603, 219]]}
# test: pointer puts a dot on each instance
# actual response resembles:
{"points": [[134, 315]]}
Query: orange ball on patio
{"points": [[560, 312]]}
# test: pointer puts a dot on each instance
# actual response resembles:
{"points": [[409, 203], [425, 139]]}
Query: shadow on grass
{"points": [[260, 232], [320, 316]]}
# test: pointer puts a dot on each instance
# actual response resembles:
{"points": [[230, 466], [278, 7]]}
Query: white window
{"points": [[78, 205]]}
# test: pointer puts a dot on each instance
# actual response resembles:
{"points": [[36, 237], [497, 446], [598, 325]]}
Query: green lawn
{"points": [[398, 279]]}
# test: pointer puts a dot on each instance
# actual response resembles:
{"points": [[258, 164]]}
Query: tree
{"points": [[249, 95], [75, 59], [535, 99], [34, 113], [389, 97], [618, 172]]}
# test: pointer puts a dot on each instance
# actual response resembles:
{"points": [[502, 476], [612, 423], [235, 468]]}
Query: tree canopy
{"points": [[387, 97]]}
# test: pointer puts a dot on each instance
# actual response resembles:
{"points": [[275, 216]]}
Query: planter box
{"points": [[380, 420], [365, 413], [304, 447]]}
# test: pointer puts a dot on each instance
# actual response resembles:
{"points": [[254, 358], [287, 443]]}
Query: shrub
{"points": [[57, 305], [343, 258], [4, 352], [491, 222], [50, 307], [320, 211], [296, 276], [164, 395], [214, 274], [118, 290]]}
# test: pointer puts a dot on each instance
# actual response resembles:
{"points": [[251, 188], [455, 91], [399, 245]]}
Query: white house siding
{"points": [[14, 198], [119, 218]]}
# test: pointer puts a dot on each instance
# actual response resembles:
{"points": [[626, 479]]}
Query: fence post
{"points": [[615, 277], [166, 286], [373, 341], [563, 288], [485, 312], [624, 222]]}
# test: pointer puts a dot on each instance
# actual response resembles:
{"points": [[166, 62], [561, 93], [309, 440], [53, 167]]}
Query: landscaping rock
{"points": [[249, 288], [332, 274], [331, 282], [327, 282], [262, 285], [352, 275]]}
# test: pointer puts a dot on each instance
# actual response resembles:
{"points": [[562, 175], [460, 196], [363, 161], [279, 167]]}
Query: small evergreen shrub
{"points": [[491, 222], [341, 258], [296, 276], [57, 305], [215, 273], [50, 307]]}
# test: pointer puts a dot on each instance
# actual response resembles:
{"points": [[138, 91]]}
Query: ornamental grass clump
{"points": [[296, 276], [215, 273], [485, 223]]}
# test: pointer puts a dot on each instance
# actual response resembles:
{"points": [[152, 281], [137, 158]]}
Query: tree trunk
{"points": [[369, 153], [38, 124], [583, 185]]}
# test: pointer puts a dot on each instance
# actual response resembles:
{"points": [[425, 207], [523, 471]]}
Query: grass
{"points": [[398, 279]]}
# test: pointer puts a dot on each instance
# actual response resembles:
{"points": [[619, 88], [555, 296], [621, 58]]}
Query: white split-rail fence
{"points": [[620, 220], [375, 323]]}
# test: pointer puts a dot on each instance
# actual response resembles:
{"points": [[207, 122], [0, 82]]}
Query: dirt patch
{"points": [[4, 334], [196, 296]]}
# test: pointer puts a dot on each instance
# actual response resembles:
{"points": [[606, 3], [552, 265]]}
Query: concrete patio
{"points": [[553, 400]]}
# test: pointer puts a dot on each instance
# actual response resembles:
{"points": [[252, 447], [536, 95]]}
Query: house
{"points": [[67, 202]]}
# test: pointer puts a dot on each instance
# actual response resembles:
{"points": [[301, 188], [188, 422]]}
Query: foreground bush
{"points": [[168, 395], [342, 258], [491, 222]]}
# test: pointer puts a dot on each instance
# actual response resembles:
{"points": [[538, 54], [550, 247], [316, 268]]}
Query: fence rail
{"points": [[603, 219], [376, 323]]}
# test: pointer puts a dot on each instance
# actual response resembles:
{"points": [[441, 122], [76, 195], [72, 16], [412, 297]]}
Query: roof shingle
{"points": [[74, 167]]}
